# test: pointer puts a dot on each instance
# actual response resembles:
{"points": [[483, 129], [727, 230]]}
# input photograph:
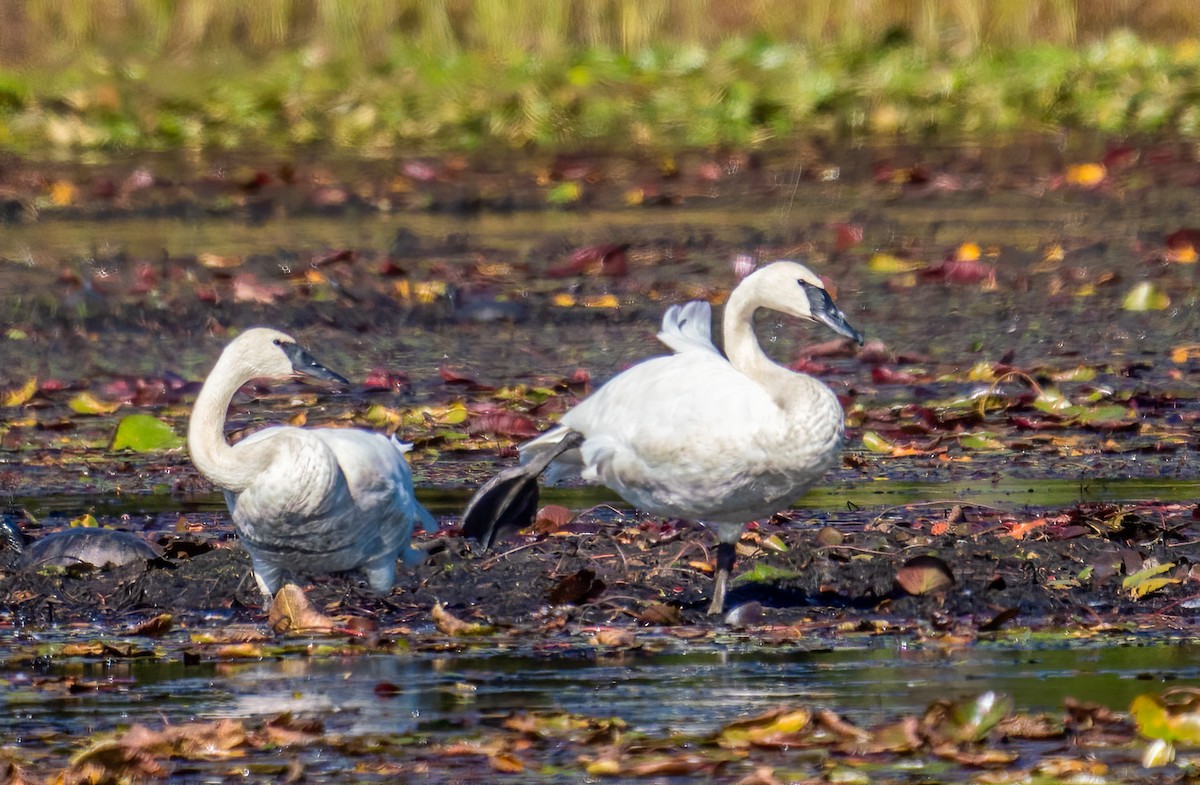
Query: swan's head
{"points": [[792, 288], [269, 354]]}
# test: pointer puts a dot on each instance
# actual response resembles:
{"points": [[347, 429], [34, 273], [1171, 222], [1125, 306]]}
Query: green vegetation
{"points": [[380, 77]]}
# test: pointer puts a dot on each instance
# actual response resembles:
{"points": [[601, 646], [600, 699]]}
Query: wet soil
{"points": [[983, 276]]}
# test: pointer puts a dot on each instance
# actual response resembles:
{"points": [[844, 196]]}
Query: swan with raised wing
{"points": [[723, 439], [305, 501]]}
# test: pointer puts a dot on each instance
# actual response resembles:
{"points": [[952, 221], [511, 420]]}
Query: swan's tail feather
{"points": [[508, 501], [688, 327]]}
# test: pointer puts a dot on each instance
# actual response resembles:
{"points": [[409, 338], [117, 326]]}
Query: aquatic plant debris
{"points": [[1010, 418]]}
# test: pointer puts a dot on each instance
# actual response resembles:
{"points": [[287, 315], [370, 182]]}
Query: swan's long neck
{"points": [[747, 356], [211, 454]]}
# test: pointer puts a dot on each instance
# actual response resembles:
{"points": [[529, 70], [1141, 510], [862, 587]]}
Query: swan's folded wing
{"points": [[688, 328]]}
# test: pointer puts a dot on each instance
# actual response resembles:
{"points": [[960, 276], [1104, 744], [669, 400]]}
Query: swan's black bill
{"points": [[508, 502], [823, 309], [305, 363]]}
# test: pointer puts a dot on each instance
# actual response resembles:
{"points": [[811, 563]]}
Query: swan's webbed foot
{"points": [[508, 501], [726, 553]]}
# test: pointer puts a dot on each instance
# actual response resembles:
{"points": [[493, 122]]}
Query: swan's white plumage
{"points": [[304, 501], [721, 439]]}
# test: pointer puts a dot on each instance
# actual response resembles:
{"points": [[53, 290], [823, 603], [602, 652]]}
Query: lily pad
{"points": [[145, 433]]}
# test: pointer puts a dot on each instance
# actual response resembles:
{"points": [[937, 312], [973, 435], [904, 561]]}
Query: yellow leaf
{"points": [[887, 263], [63, 193], [450, 624], [1183, 254], [1086, 175], [967, 252], [85, 521], [601, 301], [876, 443], [20, 395], [563, 300], [1145, 296], [86, 403], [981, 372], [429, 291]]}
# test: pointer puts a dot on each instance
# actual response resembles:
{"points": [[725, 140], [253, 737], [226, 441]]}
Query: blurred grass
{"points": [[453, 74]]}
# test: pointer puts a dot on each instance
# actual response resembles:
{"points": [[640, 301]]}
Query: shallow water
{"points": [[441, 697], [686, 251]]}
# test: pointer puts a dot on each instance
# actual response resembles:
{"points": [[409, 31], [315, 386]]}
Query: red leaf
{"points": [[451, 376], [848, 236], [383, 379], [883, 375], [503, 424], [611, 258]]}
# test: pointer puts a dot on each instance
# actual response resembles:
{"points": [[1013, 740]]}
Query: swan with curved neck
{"points": [[304, 501], [722, 439]]}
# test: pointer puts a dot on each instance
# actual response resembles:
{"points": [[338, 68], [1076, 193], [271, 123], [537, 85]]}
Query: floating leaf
{"points": [[1145, 296], [144, 433], [876, 443], [20, 395], [887, 263], [923, 575], [767, 729], [1086, 175], [85, 521], [86, 403], [615, 636], [980, 440], [972, 719], [1173, 716], [1160, 752], [565, 193]]}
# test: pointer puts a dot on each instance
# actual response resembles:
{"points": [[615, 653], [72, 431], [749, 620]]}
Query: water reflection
{"points": [[682, 690]]}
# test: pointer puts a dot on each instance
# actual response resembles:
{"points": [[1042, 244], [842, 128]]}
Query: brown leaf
{"points": [[292, 612], [922, 575], [552, 518], [506, 762], [286, 730], [612, 636], [450, 624], [111, 761], [159, 625], [576, 589], [661, 614]]}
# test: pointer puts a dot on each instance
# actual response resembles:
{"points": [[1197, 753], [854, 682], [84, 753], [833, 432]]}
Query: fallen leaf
{"points": [[291, 612], [144, 433], [1145, 296], [87, 403], [1088, 175], [450, 624], [20, 395], [576, 589], [922, 575]]}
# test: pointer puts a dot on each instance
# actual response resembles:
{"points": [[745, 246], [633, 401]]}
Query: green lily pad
{"points": [[145, 433]]}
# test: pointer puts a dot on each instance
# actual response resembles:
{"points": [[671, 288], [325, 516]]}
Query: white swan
{"points": [[304, 501], [694, 435]]}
